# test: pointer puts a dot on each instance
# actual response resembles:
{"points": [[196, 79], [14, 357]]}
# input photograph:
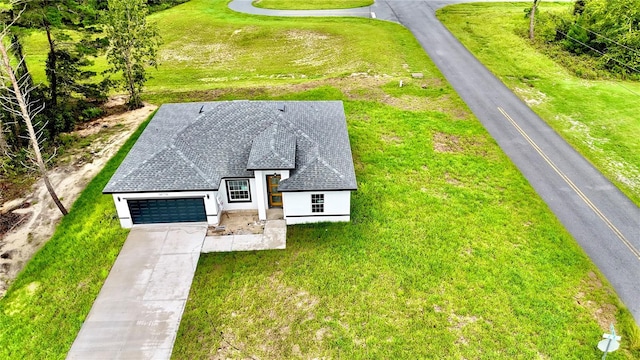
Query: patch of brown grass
{"points": [[446, 143], [452, 144], [409, 103], [604, 314], [357, 86], [391, 139], [451, 180]]}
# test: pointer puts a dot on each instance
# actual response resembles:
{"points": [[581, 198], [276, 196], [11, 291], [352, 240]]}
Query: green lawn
{"points": [[235, 50], [311, 4], [44, 308], [597, 117], [449, 254]]}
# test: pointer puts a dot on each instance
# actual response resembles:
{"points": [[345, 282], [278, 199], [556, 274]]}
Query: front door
{"points": [[275, 197]]}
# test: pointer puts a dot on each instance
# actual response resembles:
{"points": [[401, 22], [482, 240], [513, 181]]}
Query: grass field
{"points": [[450, 253], [597, 117], [234, 50], [311, 4], [44, 308]]}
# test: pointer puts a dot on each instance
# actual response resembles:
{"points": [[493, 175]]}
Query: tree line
{"points": [[606, 30], [33, 116]]}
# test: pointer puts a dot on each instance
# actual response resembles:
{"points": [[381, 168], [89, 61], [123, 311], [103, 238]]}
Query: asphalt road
{"points": [[603, 220]]}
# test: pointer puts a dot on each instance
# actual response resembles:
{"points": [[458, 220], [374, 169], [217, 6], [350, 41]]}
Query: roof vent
{"points": [[201, 110], [282, 107]]}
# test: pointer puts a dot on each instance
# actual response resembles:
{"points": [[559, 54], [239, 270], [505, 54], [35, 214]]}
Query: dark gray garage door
{"points": [[153, 211]]}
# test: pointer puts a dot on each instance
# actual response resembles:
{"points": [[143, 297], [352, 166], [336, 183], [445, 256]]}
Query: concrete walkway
{"points": [[274, 237], [138, 310]]}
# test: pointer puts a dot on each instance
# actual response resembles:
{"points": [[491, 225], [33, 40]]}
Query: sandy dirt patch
{"points": [[531, 96], [35, 216], [237, 223]]}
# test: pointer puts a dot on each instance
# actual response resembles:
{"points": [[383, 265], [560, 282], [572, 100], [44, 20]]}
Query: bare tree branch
{"points": [[19, 98]]}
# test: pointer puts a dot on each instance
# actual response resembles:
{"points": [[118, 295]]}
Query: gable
{"points": [[193, 146], [273, 149]]}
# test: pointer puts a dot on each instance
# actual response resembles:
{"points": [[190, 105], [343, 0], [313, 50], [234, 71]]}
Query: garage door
{"points": [[153, 211]]}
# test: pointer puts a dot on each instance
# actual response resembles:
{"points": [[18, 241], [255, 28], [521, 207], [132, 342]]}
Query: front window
{"points": [[238, 190], [317, 203]]}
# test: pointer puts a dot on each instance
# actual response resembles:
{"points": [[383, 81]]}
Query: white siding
{"points": [[261, 194], [226, 205], [211, 208], [297, 207]]}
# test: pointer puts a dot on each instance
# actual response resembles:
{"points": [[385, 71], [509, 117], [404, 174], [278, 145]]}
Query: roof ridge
{"points": [[171, 143], [320, 161], [193, 165], [134, 169], [326, 164], [275, 143], [272, 143]]}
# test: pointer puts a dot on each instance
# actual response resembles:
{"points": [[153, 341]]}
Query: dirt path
{"points": [[36, 216]]}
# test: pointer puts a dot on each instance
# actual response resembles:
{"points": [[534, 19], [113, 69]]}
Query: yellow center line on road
{"points": [[584, 198]]}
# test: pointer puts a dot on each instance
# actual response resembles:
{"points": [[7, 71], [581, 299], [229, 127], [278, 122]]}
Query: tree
{"points": [[47, 15], [133, 44], [17, 101], [70, 89], [532, 16], [4, 146], [607, 30]]}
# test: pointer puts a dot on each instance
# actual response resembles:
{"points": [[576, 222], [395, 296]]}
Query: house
{"points": [[196, 160]]}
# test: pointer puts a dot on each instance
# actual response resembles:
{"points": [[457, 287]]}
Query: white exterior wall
{"points": [[297, 207], [249, 205], [261, 194], [210, 205]]}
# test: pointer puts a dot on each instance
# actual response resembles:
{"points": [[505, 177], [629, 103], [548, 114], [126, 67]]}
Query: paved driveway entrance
{"points": [[138, 310]]}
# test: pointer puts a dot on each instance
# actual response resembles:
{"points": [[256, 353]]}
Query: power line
{"points": [[603, 54], [598, 51], [597, 34], [613, 41]]}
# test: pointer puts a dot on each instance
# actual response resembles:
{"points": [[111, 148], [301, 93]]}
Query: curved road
{"points": [[601, 218]]}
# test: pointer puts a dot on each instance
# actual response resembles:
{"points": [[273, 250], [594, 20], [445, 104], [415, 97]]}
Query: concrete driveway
{"points": [[138, 310]]}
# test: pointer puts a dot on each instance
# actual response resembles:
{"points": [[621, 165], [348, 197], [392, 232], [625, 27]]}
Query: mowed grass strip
{"points": [[311, 4], [449, 254], [45, 306], [597, 117], [206, 45]]}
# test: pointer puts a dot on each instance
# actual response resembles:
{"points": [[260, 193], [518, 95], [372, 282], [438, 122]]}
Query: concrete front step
{"points": [[274, 237]]}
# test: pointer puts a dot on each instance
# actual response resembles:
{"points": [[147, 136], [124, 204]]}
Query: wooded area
{"points": [[77, 31], [606, 30]]}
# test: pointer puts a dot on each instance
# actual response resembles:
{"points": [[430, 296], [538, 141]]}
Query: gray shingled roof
{"points": [[273, 149], [192, 146]]}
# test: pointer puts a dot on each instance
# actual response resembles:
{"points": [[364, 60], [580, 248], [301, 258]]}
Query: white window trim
{"points": [[230, 199], [318, 204]]}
